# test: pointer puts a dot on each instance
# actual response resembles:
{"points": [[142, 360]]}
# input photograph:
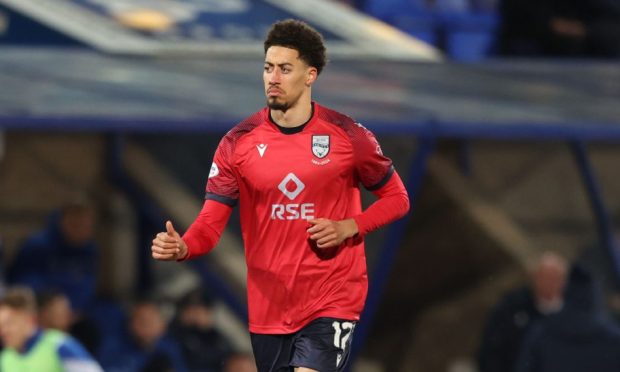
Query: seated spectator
{"points": [[518, 310], [578, 338], [240, 362], [28, 348], [148, 348], [63, 256], [55, 313], [204, 348], [574, 28]]}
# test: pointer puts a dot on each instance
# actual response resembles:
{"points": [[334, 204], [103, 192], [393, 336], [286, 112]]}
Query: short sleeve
{"points": [[373, 169], [222, 184]]}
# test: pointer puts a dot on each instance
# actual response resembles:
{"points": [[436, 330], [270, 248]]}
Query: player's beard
{"points": [[274, 104]]}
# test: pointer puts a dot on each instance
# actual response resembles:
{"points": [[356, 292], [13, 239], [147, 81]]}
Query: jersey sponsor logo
{"points": [[261, 147], [291, 186], [320, 145], [304, 211], [214, 170], [299, 186]]}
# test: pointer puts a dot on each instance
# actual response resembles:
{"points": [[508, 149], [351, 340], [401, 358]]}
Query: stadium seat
{"points": [[387, 9], [422, 26], [469, 37]]}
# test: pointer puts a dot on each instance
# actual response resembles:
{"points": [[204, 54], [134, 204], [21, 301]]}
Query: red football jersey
{"points": [[281, 178]]}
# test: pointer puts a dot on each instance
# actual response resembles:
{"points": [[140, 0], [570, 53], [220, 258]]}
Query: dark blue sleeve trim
{"points": [[383, 181], [222, 199]]}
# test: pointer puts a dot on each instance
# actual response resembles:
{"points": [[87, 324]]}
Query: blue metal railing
{"points": [[602, 217], [385, 261]]}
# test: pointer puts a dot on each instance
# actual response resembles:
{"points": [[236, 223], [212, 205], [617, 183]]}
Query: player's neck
{"points": [[295, 116]]}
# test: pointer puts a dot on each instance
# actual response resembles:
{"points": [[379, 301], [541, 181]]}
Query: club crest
{"points": [[320, 145]]}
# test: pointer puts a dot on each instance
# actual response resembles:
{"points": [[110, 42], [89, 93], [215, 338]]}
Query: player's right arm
{"points": [[201, 237], [222, 193], [168, 245]]}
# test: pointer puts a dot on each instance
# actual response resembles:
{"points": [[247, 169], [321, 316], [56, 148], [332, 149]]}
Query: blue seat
{"points": [[470, 36], [386, 9], [422, 26]]}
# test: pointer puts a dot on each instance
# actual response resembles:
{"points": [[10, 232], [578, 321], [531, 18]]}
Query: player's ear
{"points": [[311, 76]]}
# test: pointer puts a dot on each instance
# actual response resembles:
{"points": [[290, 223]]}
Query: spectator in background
{"points": [[577, 339], [204, 348], [148, 348], [574, 28], [28, 348], [63, 256], [55, 313], [240, 362], [518, 310]]}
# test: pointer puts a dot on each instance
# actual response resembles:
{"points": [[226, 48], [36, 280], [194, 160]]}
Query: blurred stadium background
{"points": [[125, 101]]}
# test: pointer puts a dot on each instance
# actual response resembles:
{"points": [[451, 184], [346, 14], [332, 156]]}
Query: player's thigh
{"points": [[323, 345], [272, 353]]}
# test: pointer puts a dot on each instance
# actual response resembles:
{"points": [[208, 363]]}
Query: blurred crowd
{"points": [[50, 313], [475, 29]]}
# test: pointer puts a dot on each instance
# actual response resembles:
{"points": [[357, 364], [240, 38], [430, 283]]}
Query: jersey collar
{"points": [[293, 130]]}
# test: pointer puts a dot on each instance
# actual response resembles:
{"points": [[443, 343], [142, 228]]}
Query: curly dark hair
{"points": [[298, 35]]}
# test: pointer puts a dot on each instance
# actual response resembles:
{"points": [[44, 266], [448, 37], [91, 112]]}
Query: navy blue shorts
{"points": [[323, 345]]}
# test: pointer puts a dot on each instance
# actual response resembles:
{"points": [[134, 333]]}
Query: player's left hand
{"points": [[328, 233]]}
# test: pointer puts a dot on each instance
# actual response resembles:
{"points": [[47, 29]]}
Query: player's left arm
{"points": [[376, 172], [392, 203]]}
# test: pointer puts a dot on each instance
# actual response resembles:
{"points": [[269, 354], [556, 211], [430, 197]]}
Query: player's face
{"points": [[286, 77]]}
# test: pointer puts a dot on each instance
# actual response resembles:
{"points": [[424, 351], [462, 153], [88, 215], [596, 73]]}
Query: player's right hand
{"points": [[168, 245]]}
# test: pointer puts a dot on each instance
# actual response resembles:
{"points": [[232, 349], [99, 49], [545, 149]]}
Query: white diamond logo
{"points": [[299, 186]]}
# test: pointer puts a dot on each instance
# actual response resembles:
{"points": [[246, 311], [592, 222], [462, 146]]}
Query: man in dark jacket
{"points": [[518, 310], [63, 256], [580, 338], [205, 349]]}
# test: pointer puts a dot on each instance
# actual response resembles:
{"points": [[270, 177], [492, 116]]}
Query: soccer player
{"points": [[294, 168]]}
